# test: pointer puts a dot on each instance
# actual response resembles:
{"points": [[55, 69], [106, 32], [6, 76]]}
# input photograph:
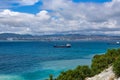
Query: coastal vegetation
{"points": [[99, 63], [78, 73], [116, 67]]}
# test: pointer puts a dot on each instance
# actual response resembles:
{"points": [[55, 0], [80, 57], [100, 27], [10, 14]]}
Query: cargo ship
{"points": [[63, 46]]}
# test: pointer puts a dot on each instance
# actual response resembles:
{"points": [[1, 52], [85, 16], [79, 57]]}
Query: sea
{"points": [[36, 60]]}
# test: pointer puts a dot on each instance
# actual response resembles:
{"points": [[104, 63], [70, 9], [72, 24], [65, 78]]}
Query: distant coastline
{"points": [[69, 37]]}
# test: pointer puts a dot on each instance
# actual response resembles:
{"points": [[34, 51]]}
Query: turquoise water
{"points": [[36, 60]]}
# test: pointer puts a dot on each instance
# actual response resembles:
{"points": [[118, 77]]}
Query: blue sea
{"points": [[36, 60]]}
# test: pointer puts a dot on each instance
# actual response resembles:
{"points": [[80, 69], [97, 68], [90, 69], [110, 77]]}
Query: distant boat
{"points": [[63, 46], [115, 43]]}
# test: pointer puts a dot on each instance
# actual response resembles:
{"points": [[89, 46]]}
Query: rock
{"points": [[107, 74]]}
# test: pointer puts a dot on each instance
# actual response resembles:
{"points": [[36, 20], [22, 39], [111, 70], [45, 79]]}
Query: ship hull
{"points": [[62, 46]]}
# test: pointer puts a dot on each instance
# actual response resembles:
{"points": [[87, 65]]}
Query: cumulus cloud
{"points": [[65, 17], [22, 23], [43, 15], [89, 16]]}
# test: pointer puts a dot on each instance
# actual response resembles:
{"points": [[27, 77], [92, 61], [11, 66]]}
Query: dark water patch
{"points": [[17, 63], [21, 63]]}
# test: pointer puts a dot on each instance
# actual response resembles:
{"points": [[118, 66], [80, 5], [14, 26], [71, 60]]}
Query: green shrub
{"points": [[101, 62], [79, 73], [116, 67]]}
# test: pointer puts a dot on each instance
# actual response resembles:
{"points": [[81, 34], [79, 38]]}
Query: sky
{"points": [[44, 17]]}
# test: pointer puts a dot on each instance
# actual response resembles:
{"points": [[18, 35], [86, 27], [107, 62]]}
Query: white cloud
{"points": [[27, 2], [22, 22], [55, 4], [43, 15], [65, 17]]}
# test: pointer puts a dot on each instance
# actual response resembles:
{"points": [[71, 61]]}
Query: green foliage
{"points": [[101, 62], [116, 67], [79, 73], [51, 77]]}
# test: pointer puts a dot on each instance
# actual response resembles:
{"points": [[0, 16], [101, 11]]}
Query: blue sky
{"points": [[40, 17], [36, 7], [29, 8]]}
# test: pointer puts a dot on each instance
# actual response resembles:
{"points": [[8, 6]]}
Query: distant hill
{"points": [[12, 36]]}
